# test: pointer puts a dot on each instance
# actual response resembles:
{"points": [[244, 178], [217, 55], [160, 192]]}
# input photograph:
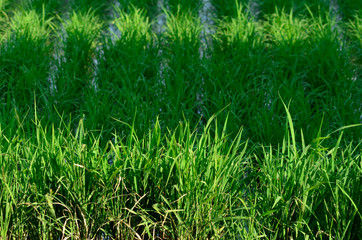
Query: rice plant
{"points": [[127, 73], [49, 7], [182, 76], [150, 6], [25, 61], [176, 6], [76, 66], [319, 7], [228, 8]]}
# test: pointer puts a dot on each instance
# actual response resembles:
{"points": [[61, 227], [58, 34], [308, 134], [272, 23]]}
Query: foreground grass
{"points": [[181, 183]]}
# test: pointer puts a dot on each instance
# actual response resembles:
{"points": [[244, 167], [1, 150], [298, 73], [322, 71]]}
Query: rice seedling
{"points": [[178, 6], [350, 8], [183, 68], [24, 62], [49, 7], [127, 72], [228, 8], [319, 7], [75, 69]]}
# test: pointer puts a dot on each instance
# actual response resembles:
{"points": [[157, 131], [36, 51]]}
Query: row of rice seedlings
{"points": [[236, 54], [320, 62], [25, 56], [183, 72], [226, 8], [175, 184], [300, 59]]}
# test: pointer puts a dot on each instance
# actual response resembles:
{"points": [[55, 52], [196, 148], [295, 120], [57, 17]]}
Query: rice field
{"points": [[170, 119]]}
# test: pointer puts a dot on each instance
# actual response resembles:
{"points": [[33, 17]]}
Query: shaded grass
{"points": [[319, 7], [228, 8], [76, 65], [25, 61], [128, 68]]}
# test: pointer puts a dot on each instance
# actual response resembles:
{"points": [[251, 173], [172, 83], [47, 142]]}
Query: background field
{"points": [[180, 119]]}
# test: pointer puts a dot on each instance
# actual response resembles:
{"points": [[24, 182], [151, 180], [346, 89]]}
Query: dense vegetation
{"points": [[115, 124]]}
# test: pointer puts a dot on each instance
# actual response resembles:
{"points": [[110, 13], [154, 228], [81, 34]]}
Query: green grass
{"points": [[127, 75], [228, 8], [350, 8], [177, 6], [150, 6], [134, 134], [76, 64], [296, 7], [25, 61], [183, 69], [180, 183]]}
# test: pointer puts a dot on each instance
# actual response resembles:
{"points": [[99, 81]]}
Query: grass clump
{"points": [[319, 7], [127, 74], [181, 77], [228, 8], [25, 61], [310, 191], [76, 65]]}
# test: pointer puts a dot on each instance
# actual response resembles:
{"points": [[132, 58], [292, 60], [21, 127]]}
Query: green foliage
{"points": [[25, 56], [123, 133], [75, 68]]}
